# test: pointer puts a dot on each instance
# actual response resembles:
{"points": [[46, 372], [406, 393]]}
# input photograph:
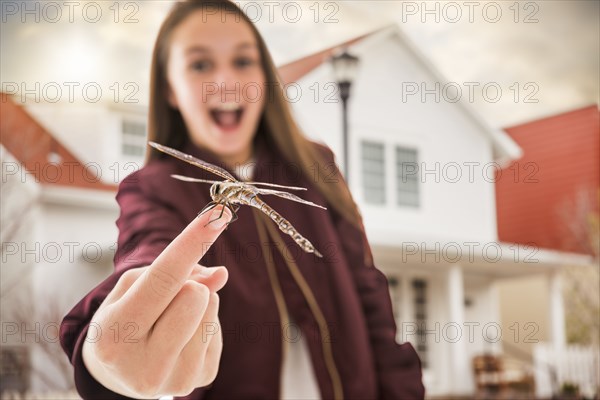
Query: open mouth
{"points": [[227, 115]]}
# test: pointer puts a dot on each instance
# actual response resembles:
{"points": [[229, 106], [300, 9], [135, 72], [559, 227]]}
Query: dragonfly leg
{"points": [[213, 204], [220, 214], [208, 207], [234, 209]]}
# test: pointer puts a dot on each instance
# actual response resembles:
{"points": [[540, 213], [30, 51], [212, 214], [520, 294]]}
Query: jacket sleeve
{"points": [[146, 225], [398, 365]]}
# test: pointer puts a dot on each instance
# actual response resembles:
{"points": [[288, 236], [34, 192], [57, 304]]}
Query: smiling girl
{"points": [[284, 324]]}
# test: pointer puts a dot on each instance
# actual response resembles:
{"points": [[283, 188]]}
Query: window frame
{"points": [[373, 172], [407, 185]]}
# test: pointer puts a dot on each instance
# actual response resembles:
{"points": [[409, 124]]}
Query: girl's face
{"points": [[216, 81]]}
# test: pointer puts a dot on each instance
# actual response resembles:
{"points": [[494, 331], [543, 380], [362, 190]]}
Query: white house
{"points": [[422, 166], [421, 169], [58, 226]]}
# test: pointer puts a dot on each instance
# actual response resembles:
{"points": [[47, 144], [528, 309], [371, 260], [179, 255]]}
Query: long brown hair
{"points": [[166, 125]]}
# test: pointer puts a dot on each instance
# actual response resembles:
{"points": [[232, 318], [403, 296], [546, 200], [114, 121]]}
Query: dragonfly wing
{"points": [[188, 179], [288, 196], [274, 185], [194, 161]]}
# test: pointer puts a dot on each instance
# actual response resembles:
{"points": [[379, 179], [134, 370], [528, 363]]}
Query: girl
{"points": [[285, 323]]}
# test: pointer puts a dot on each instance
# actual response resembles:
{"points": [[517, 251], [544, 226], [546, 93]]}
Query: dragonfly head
{"points": [[215, 190]]}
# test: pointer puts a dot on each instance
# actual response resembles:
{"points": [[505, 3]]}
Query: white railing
{"points": [[572, 364]]}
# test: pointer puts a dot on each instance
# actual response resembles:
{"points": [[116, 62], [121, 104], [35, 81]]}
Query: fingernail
{"points": [[207, 272], [219, 223]]}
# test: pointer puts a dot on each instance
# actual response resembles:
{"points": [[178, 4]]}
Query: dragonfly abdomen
{"points": [[250, 198]]}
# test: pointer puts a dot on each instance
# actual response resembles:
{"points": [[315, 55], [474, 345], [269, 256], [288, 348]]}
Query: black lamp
{"points": [[345, 66]]}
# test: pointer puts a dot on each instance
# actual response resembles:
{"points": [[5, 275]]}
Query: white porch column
{"points": [[459, 362], [557, 311]]}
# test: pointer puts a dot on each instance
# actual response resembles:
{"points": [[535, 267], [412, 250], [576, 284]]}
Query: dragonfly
{"points": [[232, 193]]}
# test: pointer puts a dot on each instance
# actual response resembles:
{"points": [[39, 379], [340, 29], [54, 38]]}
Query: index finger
{"points": [[155, 289]]}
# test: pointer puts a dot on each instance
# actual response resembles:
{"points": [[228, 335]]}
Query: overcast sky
{"points": [[545, 50]]}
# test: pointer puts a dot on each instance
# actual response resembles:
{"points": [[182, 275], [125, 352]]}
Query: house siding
{"points": [[551, 174]]}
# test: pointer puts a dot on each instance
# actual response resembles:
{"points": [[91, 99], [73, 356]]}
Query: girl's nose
{"points": [[228, 84]]}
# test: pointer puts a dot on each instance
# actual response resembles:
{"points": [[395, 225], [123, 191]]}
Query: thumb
{"points": [[213, 277]]}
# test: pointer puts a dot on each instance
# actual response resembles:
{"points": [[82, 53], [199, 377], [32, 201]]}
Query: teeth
{"points": [[228, 107]]}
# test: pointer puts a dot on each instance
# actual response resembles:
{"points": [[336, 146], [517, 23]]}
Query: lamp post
{"points": [[344, 69]]}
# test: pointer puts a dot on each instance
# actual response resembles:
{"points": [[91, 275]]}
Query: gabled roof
{"points": [[40, 153], [505, 149], [296, 69]]}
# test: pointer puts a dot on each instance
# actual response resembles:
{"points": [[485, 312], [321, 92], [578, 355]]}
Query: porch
{"points": [[446, 303]]}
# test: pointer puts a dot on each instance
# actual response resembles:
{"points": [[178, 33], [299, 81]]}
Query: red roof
{"points": [[34, 147], [546, 196], [295, 70]]}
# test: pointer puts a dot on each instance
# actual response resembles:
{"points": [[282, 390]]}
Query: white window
{"points": [[133, 138], [373, 172], [407, 177]]}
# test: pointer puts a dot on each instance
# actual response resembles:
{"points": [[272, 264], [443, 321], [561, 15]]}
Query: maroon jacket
{"points": [[360, 357]]}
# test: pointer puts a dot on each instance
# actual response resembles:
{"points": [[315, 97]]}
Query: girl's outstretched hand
{"points": [[157, 332]]}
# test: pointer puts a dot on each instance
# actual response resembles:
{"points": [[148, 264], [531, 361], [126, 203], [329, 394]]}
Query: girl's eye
{"points": [[200, 65], [244, 62]]}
